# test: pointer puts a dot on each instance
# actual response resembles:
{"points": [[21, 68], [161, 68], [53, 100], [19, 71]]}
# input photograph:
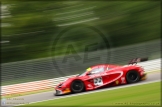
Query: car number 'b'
{"points": [[98, 81]]}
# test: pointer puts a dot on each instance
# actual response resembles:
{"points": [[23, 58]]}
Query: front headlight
{"points": [[60, 85], [141, 69]]}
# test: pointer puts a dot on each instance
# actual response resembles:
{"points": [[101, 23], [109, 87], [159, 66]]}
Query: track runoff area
{"points": [[143, 93]]}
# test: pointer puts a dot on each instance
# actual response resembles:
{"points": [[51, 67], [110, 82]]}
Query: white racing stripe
{"points": [[101, 90]]}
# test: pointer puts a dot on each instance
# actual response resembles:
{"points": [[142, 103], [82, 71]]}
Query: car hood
{"points": [[68, 80]]}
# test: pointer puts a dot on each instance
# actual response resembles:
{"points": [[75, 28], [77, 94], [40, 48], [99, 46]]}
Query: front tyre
{"points": [[77, 86], [132, 76]]}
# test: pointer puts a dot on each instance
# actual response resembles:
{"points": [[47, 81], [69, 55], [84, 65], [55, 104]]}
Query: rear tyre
{"points": [[132, 77], [77, 86]]}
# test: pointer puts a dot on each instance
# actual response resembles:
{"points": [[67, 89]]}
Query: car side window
{"points": [[97, 70]]}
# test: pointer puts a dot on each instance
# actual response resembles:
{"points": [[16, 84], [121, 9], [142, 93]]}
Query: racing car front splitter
{"points": [[144, 77], [62, 92]]}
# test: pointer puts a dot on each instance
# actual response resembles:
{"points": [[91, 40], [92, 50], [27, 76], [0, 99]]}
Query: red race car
{"points": [[100, 76]]}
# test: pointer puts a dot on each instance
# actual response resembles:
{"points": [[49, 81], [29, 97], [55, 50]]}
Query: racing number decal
{"points": [[98, 81]]}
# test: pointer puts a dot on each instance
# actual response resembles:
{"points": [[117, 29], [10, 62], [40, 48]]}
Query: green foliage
{"points": [[35, 24]]}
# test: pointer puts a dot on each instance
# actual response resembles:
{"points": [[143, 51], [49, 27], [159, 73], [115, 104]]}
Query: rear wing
{"points": [[136, 60]]}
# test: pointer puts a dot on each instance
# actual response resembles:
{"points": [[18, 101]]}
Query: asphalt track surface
{"points": [[154, 76]]}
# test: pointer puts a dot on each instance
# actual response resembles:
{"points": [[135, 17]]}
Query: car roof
{"points": [[104, 65]]}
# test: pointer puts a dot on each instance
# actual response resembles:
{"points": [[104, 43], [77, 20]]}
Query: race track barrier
{"points": [[149, 66]]}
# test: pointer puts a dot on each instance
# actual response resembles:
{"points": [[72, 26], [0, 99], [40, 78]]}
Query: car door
{"points": [[104, 78], [98, 78]]}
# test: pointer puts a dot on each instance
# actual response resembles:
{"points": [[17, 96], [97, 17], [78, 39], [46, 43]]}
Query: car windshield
{"points": [[82, 74], [93, 71]]}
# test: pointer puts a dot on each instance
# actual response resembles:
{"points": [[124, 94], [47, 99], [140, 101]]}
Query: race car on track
{"points": [[103, 75]]}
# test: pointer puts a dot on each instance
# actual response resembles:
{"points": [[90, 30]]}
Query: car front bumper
{"points": [[58, 92], [62, 92], [144, 76]]}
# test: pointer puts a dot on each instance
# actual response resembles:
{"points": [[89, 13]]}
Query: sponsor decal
{"points": [[117, 82], [122, 79], [121, 74], [98, 81], [66, 90], [89, 85]]}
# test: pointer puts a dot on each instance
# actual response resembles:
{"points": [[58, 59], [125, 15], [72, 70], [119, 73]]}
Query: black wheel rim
{"points": [[133, 76], [77, 85]]}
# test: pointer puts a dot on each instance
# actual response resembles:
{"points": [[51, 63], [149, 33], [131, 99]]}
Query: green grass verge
{"points": [[142, 95]]}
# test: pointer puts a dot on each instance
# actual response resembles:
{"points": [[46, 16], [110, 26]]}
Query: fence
{"points": [[53, 67]]}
